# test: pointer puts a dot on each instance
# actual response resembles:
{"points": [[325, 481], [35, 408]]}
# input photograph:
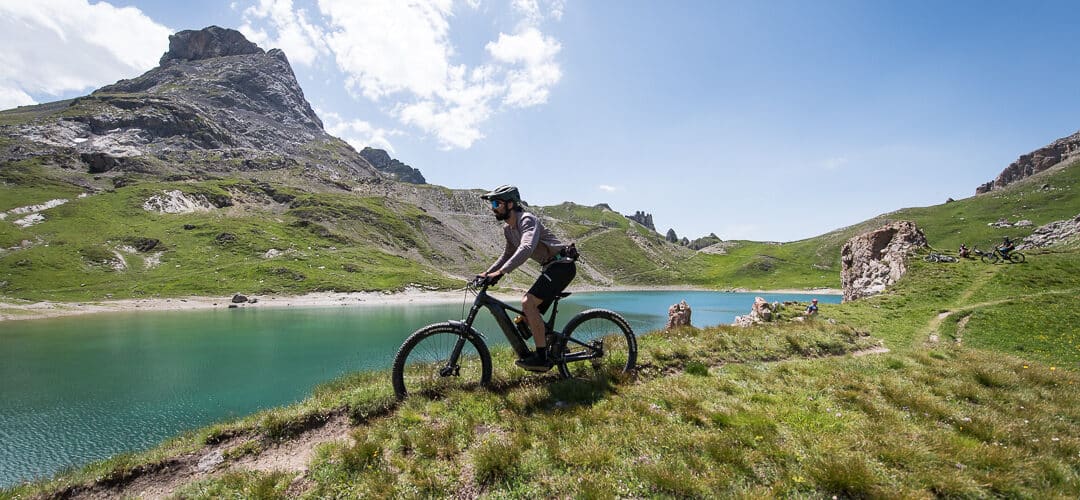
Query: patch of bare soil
{"points": [[292, 455]]}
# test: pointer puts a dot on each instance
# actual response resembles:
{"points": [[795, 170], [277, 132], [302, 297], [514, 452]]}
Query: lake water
{"points": [[78, 389]]}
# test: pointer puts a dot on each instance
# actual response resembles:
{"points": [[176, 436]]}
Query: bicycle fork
{"points": [[452, 367]]}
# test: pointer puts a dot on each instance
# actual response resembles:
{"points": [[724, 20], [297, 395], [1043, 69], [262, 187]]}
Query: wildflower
{"points": [[1052, 368], [1025, 367]]}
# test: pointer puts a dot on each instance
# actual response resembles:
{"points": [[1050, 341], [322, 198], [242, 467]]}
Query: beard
{"points": [[502, 216]]}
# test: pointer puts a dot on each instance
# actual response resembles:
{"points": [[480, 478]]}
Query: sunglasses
{"points": [[495, 203]]}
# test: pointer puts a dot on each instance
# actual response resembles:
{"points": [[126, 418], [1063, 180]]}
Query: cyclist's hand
{"points": [[487, 278]]}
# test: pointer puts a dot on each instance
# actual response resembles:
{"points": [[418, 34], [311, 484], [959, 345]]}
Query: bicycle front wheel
{"points": [[596, 342], [1016, 257], [438, 359]]}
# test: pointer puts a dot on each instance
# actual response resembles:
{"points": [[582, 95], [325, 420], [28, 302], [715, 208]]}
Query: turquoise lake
{"points": [[78, 389]]}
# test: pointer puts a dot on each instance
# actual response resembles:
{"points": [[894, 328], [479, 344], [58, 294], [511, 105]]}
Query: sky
{"points": [[771, 121]]}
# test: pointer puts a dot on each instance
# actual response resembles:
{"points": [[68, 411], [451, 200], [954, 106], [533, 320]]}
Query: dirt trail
{"points": [[291, 456], [933, 327]]}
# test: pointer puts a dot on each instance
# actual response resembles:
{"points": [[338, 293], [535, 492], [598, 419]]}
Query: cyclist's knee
{"points": [[530, 301]]}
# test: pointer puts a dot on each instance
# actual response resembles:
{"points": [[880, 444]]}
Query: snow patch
{"points": [[176, 202], [153, 260], [29, 209], [30, 220], [119, 264]]}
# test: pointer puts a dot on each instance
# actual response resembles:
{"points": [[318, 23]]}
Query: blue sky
{"points": [[775, 120]]}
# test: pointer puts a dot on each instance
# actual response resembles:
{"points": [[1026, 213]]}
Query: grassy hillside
{"points": [[93, 248], [1049, 196], [978, 397], [388, 236]]}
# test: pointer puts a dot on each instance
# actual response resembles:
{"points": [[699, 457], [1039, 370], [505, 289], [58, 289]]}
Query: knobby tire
{"points": [[420, 359], [584, 331]]}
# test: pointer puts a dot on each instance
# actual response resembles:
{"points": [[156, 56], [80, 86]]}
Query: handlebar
{"points": [[484, 281]]}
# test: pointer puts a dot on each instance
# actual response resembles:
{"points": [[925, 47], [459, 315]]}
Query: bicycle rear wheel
{"points": [[426, 363], [1016, 257], [990, 258], [595, 342]]}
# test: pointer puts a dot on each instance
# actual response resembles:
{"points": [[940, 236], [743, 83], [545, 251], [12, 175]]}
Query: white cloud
{"points": [[302, 41], [400, 54], [57, 46], [833, 163], [13, 97], [606, 188], [357, 133]]}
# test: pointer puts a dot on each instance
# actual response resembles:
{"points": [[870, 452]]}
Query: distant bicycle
{"points": [[939, 257], [994, 256]]}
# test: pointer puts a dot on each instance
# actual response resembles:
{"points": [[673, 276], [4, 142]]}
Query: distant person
{"points": [[964, 251], [1007, 246], [527, 238], [811, 310]]}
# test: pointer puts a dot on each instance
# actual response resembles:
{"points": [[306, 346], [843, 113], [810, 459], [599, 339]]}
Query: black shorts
{"points": [[553, 279]]}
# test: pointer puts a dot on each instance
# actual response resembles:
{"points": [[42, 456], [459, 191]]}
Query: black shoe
{"points": [[535, 363]]}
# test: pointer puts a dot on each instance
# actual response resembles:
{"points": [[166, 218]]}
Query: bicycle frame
{"points": [[499, 309]]}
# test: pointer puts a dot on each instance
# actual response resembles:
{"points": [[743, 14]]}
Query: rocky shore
{"points": [[11, 310]]}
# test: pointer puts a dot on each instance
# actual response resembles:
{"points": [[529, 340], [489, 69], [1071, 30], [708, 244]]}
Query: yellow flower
{"points": [[1052, 368]]}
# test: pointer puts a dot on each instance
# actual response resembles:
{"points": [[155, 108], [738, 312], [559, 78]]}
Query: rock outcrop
{"points": [[1062, 150], [217, 103], [642, 218], [678, 315], [874, 260], [382, 162], [1067, 230], [760, 312], [207, 43], [671, 237]]}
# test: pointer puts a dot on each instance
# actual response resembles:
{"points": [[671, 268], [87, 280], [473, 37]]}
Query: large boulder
{"points": [[678, 315], [872, 261], [1044, 236], [760, 312]]}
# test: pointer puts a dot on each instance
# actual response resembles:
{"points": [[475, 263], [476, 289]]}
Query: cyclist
{"points": [[964, 251], [811, 309], [526, 237], [1006, 247]]}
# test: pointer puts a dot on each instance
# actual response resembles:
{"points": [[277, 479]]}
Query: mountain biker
{"points": [[811, 309], [1006, 247], [964, 251], [526, 237]]}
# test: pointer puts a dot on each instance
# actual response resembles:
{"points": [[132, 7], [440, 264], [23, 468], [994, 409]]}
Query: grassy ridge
{"points": [[75, 254], [777, 410]]}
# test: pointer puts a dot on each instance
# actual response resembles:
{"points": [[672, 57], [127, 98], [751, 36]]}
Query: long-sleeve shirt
{"points": [[528, 238]]}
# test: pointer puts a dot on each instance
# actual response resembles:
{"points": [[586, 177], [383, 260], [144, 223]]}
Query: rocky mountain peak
{"points": [[645, 219], [1056, 153], [209, 42], [382, 161], [217, 103]]}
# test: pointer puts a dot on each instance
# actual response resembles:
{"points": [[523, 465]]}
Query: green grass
{"points": [[962, 423], [84, 235]]}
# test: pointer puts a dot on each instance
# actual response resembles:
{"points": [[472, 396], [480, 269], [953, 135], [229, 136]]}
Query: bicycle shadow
{"points": [[560, 393]]}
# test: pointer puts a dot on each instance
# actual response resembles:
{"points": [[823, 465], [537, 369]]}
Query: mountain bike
{"points": [[939, 257], [994, 256], [441, 357]]}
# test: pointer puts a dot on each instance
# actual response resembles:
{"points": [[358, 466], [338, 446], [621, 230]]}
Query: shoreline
{"points": [[15, 310]]}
